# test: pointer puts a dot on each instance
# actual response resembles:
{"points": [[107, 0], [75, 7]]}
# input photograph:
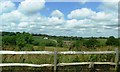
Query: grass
{"points": [[40, 59], [49, 59], [102, 41]]}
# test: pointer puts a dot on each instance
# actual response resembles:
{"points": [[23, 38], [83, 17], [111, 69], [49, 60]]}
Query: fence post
{"points": [[116, 59], [55, 61]]}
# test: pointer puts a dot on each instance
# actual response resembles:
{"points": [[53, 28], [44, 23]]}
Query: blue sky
{"points": [[67, 7], [60, 18]]}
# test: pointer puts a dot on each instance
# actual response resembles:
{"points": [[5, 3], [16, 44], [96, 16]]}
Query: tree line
{"points": [[26, 39]]}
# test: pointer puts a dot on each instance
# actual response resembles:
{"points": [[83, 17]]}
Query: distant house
{"points": [[45, 38]]}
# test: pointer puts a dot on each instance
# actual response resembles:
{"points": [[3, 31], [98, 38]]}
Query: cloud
{"points": [[84, 1], [31, 6], [102, 16], [109, 6], [80, 22], [57, 13], [23, 24], [55, 21], [6, 7], [107, 27], [81, 13], [13, 16]]}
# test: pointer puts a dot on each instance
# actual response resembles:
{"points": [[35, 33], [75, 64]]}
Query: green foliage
{"points": [[39, 48], [93, 58], [91, 43], [112, 41], [9, 40], [35, 43], [60, 42], [20, 42], [78, 44], [101, 58], [28, 38], [76, 59], [23, 39], [49, 43], [28, 47]]}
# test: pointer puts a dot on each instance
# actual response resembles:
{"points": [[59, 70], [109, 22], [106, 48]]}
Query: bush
{"points": [[76, 59], [112, 41], [28, 47], [39, 48], [21, 42], [60, 42], [78, 44], [49, 43], [9, 40], [35, 43], [91, 43], [93, 58]]}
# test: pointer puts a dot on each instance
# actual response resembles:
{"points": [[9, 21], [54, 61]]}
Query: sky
{"points": [[83, 19]]}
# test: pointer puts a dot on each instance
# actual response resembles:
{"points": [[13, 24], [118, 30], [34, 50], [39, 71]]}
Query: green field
{"points": [[27, 42]]}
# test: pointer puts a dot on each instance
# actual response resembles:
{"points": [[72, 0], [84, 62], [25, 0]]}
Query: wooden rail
{"points": [[59, 64], [62, 52], [116, 52]]}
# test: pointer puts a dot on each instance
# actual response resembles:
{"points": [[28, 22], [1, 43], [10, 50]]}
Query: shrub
{"points": [[9, 40], [91, 43], [50, 43], [76, 59], [39, 48], [93, 58], [35, 43], [28, 47], [112, 41]]}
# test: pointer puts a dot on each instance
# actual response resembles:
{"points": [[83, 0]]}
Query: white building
{"points": [[45, 38]]}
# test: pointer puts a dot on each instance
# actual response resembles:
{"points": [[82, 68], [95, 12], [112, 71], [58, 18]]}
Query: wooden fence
{"points": [[116, 52]]}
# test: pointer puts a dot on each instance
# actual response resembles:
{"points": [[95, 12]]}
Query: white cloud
{"points": [[78, 24], [71, 23], [81, 13], [107, 27], [23, 25], [84, 1], [102, 16], [111, 6], [57, 13], [13, 16], [6, 6], [55, 21], [81, 21], [31, 6]]}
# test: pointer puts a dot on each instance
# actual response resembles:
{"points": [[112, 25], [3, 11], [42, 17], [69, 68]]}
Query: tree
{"points": [[112, 41], [9, 40], [21, 42], [28, 37], [36, 43], [60, 42], [23, 39], [91, 43], [79, 43]]}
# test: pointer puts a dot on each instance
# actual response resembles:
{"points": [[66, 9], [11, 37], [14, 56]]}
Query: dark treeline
{"points": [[50, 36]]}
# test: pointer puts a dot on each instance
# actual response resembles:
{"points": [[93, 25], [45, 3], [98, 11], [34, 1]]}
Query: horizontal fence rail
{"points": [[63, 52], [59, 64], [25, 64]]}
